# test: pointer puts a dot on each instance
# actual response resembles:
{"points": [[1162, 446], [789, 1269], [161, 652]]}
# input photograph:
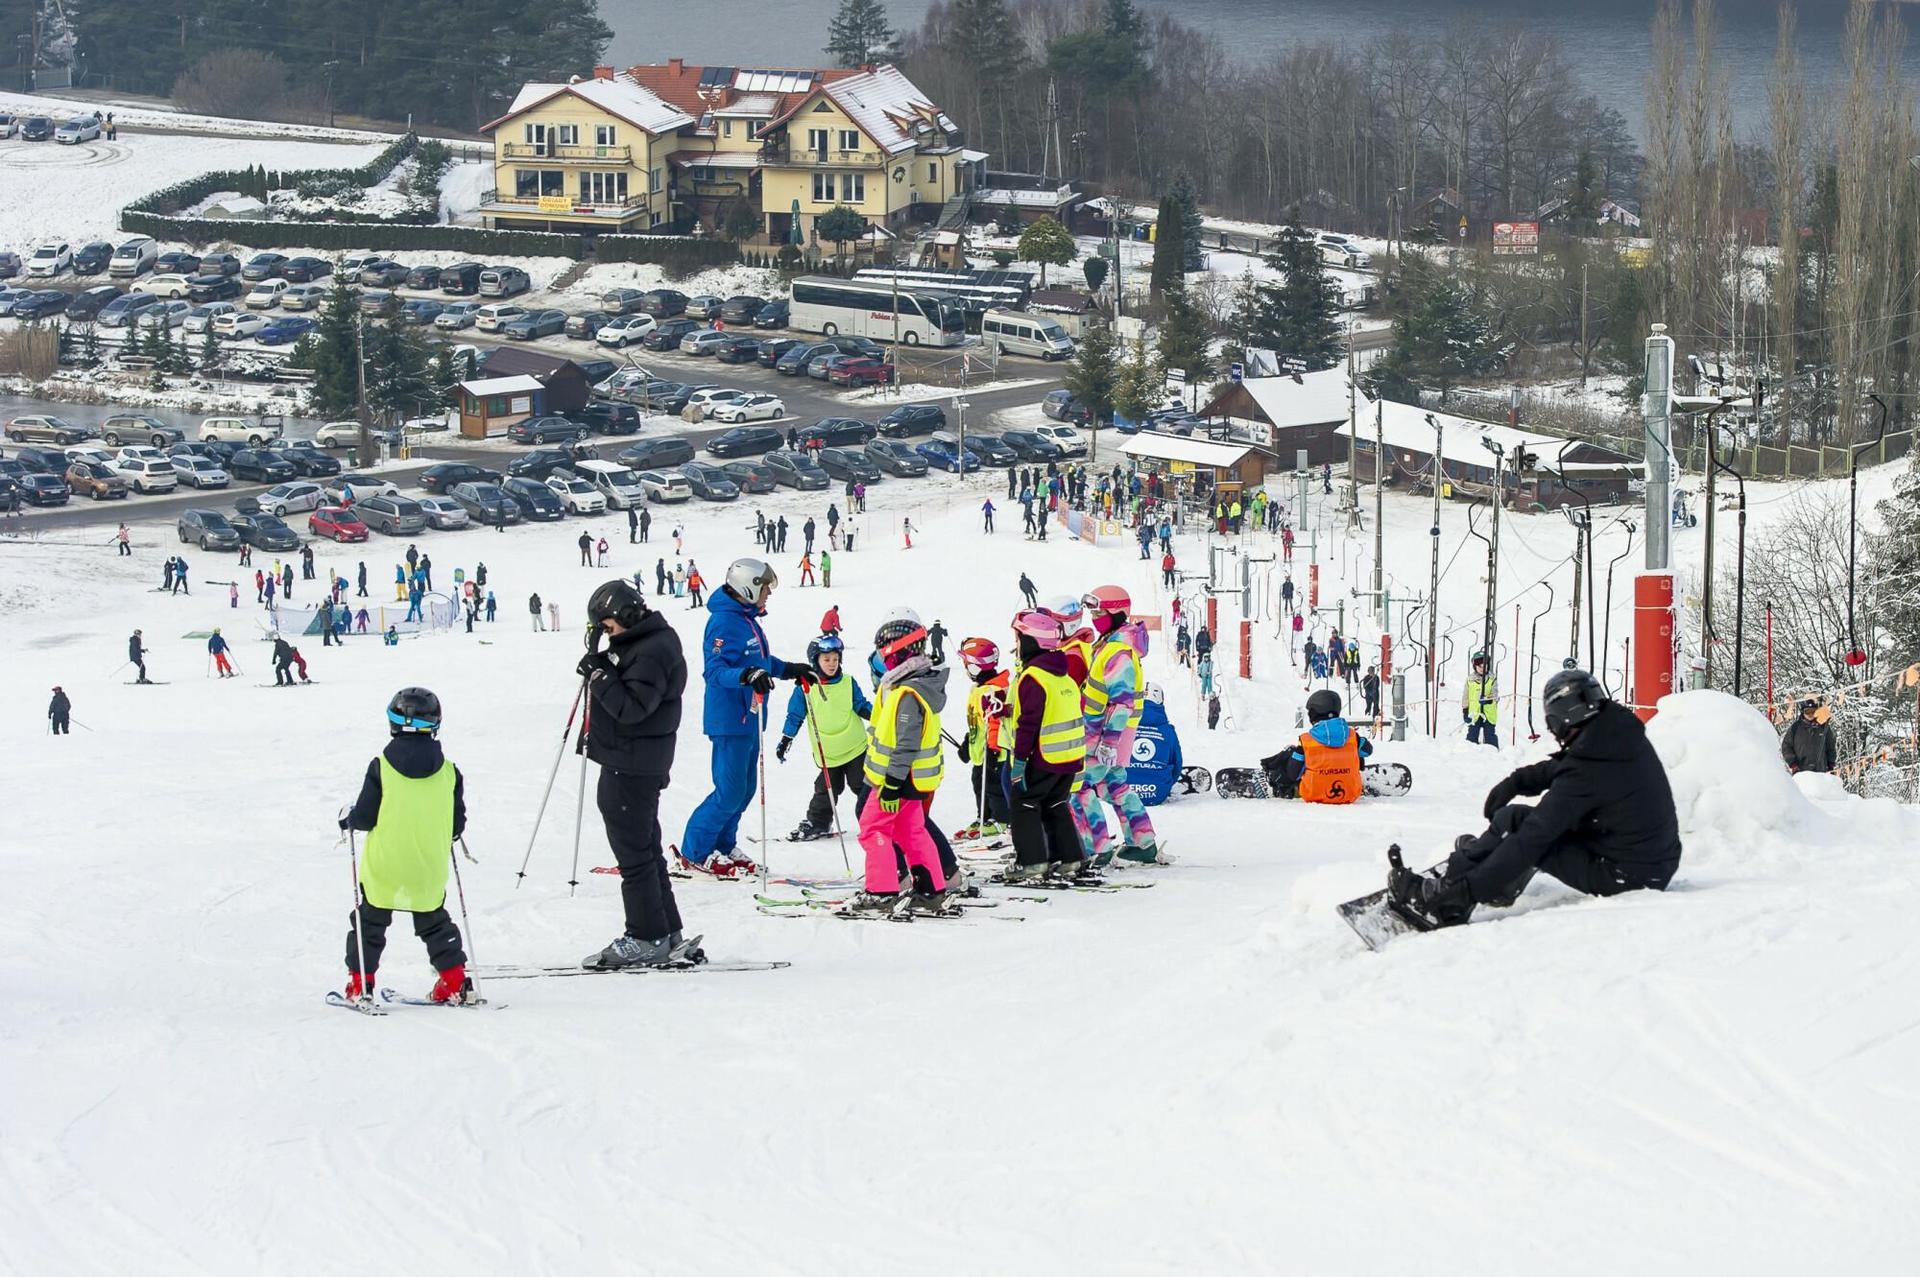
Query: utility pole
{"points": [[1433, 596], [1583, 326], [1379, 519], [1493, 544], [960, 415], [1657, 415], [1579, 545], [1353, 439], [360, 408]]}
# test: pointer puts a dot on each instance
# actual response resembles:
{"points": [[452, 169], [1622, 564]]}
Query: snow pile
{"points": [[464, 188], [1732, 793]]}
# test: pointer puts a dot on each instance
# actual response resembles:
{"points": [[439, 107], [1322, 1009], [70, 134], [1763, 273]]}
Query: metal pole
{"points": [[1353, 438], [1433, 598], [1656, 410], [1379, 516], [359, 944], [552, 775], [1707, 637], [466, 926]]}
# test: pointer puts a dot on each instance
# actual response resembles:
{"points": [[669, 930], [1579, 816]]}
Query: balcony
{"points": [[567, 207], [782, 157], [566, 154]]}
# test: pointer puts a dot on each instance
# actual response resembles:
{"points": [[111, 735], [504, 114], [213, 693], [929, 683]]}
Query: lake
{"points": [[1607, 39]]}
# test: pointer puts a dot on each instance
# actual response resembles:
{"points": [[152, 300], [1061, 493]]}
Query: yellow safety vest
{"points": [[838, 734], [987, 718], [1063, 732], [1095, 696], [884, 748], [408, 849], [1482, 698]]}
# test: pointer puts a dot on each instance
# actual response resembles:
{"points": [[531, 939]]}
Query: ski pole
{"points": [[359, 944], [580, 807], [552, 775], [77, 723], [466, 927], [826, 782], [760, 760], [116, 669]]}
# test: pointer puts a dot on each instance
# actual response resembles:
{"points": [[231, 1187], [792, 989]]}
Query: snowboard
{"points": [[1195, 780], [1375, 918], [1377, 780]]}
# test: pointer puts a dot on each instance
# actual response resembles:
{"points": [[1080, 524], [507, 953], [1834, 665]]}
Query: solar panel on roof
{"points": [[713, 77]]}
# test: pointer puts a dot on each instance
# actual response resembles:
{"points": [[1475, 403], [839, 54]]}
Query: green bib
{"points": [[837, 731], [405, 865]]}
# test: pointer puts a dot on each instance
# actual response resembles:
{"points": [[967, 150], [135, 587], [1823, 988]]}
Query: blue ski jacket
{"points": [[1155, 763], [734, 643]]}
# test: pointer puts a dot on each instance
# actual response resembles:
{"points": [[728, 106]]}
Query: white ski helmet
{"points": [[752, 580]]}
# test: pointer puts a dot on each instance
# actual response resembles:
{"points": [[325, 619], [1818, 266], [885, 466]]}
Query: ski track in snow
{"points": [[1211, 1076]]}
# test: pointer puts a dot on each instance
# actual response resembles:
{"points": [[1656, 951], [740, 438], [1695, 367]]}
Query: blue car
{"points": [[41, 304], [285, 331], [945, 456]]}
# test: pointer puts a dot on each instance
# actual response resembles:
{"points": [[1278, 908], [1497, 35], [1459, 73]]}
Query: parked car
{"points": [[439, 478], [8, 296], [305, 297], [503, 281], [665, 487], [88, 452], [177, 262], [38, 428], [286, 330], [750, 407], [622, 330], [621, 301], [212, 288], [1066, 438], [605, 417], [457, 315], [535, 324], [587, 326], [710, 483], [168, 315], [382, 273], [1060, 405], [838, 432], [796, 470], [661, 302], [261, 466], [83, 129], [772, 315], [746, 441], [86, 306], [267, 292], [848, 464], [377, 302], [545, 430], [794, 362], [657, 453], [92, 479], [575, 493], [753, 477], [263, 266], [422, 276], [305, 270], [704, 341], [540, 463], [124, 428], [395, 516], [92, 258], [134, 257], [38, 488], [42, 304], [209, 529], [462, 279], [858, 370], [169, 284], [290, 498], [146, 474], [536, 503], [668, 334], [709, 396], [336, 523], [199, 472], [771, 348], [496, 316], [947, 456], [339, 487], [36, 128], [248, 430], [895, 457], [49, 260], [306, 457], [420, 311], [263, 531], [741, 308], [705, 306], [219, 264], [737, 349], [821, 367], [991, 449], [485, 503], [237, 325], [121, 311], [9, 124], [444, 514], [10, 264], [912, 419], [1029, 446]]}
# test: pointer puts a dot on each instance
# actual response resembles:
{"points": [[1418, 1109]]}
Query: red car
{"points": [[336, 522], [861, 372]]}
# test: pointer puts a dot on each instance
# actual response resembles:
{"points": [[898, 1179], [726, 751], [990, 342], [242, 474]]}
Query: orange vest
{"points": [[1331, 775]]}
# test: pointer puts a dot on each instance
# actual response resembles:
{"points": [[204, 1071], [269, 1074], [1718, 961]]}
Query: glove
{"points": [[960, 749], [1018, 769], [797, 672], [1465, 717], [1499, 796], [594, 663], [888, 805], [780, 750], [758, 679], [891, 795]]}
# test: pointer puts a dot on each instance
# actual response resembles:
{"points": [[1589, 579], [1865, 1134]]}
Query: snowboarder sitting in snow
{"points": [[1325, 766], [412, 807], [1605, 822]]}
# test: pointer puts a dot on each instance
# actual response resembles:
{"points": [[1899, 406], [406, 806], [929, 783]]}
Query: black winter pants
{"points": [[630, 804], [60, 725], [988, 774], [1042, 822], [435, 929], [1497, 866], [847, 776]]}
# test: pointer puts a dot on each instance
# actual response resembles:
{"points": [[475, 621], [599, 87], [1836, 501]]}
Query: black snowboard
{"points": [[1378, 780], [1375, 918], [1195, 780]]}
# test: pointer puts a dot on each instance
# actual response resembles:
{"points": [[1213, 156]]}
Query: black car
{"points": [[896, 458], [848, 463], [194, 448], [771, 348], [596, 370], [261, 466], [43, 304], [91, 259], [545, 430], [837, 432], [772, 315], [535, 499], [177, 263], [668, 334], [862, 346], [586, 327], [212, 288], [746, 441], [741, 308], [307, 458], [462, 279], [36, 128], [657, 454], [912, 419], [663, 396], [661, 302], [752, 476], [220, 450], [485, 502], [39, 488], [423, 277], [305, 270], [264, 531], [1028, 446], [539, 463], [87, 305], [991, 450], [605, 417], [710, 483], [793, 470], [440, 477], [738, 350], [42, 460], [207, 528], [137, 428], [263, 266]]}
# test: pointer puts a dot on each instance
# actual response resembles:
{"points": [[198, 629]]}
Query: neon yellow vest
{"points": [[1483, 698], [1063, 732], [885, 747], [838, 734], [405, 865]]}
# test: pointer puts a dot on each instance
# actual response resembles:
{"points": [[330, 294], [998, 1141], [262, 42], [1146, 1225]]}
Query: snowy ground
{"points": [[148, 116], [1211, 1076]]}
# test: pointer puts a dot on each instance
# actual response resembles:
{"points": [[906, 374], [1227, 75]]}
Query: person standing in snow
{"points": [[59, 713], [122, 538], [633, 526], [586, 549], [986, 512], [1480, 703], [180, 575], [1028, 593], [1808, 744], [834, 710], [1370, 690], [217, 648], [695, 584], [1049, 747], [137, 657], [533, 606], [602, 547], [282, 662]]}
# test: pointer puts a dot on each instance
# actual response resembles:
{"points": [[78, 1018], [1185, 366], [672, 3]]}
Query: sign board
{"points": [[1176, 379], [1259, 432], [520, 404], [1516, 238], [555, 204], [1130, 327], [1237, 371]]}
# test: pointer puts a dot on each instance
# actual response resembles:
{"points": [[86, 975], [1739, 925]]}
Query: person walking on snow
{"points": [[906, 531], [533, 606], [695, 584], [122, 538], [412, 807], [360, 579], [1110, 700], [834, 711], [1166, 571], [986, 511], [59, 711], [1028, 593], [217, 648], [586, 549]]}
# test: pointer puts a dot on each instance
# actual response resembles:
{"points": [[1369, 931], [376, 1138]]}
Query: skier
{"points": [[217, 647], [695, 584], [1480, 703], [1324, 767], [1183, 643], [739, 670], [137, 657], [1166, 571], [937, 636], [1286, 592], [180, 575], [1029, 593], [1203, 670], [1049, 745], [1370, 689], [903, 768], [1156, 762], [986, 511], [412, 807], [59, 713], [833, 709], [586, 549], [282, 662], [1605, 822], [634, 690], [989, 733], [1110, 699], [806, 567], [1807, 745], [122, 538], [490, 607], [830, 622], [361, 618], [533, 606]]}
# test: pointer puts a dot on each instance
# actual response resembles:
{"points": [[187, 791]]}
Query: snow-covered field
{"points": [[1210, 1076]]}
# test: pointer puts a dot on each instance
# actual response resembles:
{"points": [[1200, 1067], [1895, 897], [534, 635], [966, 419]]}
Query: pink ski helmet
{"points": [[1042, 626]]}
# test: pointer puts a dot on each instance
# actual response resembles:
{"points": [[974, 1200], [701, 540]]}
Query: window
{"points": [[849, 139], [566, 134], [817, 142], [653, 179], [553, 182], [726, 127], [933, 171], [603, 135], [526, 182], [853, 187], [603, 188], [536, 134], [823, 188], [753, 128]]}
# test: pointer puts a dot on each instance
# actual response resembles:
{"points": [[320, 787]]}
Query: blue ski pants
{"points": [[715, 823]]}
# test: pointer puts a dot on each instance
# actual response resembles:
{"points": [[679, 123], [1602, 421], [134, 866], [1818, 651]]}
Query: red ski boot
{"points": [[451, 986], [358, 988]]}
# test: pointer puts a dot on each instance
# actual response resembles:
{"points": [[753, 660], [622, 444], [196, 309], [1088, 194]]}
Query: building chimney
{"points": [[603, 73], [676, 65]]}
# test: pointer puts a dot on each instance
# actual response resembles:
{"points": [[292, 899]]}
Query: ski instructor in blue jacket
{"points": [[739, 670]]}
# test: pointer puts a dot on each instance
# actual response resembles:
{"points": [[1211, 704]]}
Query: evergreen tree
{"points": [[1008, 222], [335, 391], [1298, 318], [1095, 374], [89, 344], [1140, 384], [1895, 558], [838, 225], [1192, 255], [1095, 269], [1184, 338], [1169, 255], [860, 33], [1048, 242], [1441, 338], [742, 221], [209, 353]]}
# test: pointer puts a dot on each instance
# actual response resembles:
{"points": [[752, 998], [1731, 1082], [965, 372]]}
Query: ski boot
{"points": [[718, 865], [743, 866], [807, 831], [1145, 854], [893, 907], [1018, 873], [1100, 859], [1067, 871], [358, 988], [944, 903], [961, 883], [1429, 901], [681, 949], [625, 951], [452, 986]]}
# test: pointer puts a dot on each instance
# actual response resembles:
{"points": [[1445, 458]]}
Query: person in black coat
{"points": [[137, 657], [58, 710], [634, 691], [282, 662], [1605, 822], [1807, 745]]}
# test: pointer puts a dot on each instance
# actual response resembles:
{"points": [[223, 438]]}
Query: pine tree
{"points": [[860, 33], [1095, 269], [1192, 255], [1048, 242], [1184, 338], [1169, 255], [1095, 374], [1298, 318], [1441, 338], [336, 363], [1140, 384], [1895, 558]]}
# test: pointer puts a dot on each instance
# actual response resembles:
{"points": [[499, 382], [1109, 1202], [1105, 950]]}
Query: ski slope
{"points": [[1209, 1076]]}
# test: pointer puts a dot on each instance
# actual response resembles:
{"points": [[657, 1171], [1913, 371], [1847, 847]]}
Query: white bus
{"points": [[863, 308]]}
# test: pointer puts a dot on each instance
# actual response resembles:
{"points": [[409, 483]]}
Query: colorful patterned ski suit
{"points": [[1110, 700]]}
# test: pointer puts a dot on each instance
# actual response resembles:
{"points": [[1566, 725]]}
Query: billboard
{"points": [[1513, 238]]}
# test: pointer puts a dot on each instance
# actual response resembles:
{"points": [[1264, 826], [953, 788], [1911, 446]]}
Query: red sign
{"points": [[1512, 238]]}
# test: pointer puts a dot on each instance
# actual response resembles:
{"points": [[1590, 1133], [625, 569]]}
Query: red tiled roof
{"points": [[679, 84]]}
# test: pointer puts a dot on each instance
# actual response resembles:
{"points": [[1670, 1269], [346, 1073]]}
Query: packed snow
{"points": [[1210, 1076]]}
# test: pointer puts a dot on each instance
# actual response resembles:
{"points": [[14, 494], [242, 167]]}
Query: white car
{"points": [[749, 408], [166, 315], [139, 452], [237, 324], [200, 472], [627, 328], [457, 315], [237, 430], [267, 292], [201, 318], [711, 397], [363, 485], [664, 486], [49, 260], [291, 498], [84, 129], [493, 317], [705, 341], [577, 495], [85, 452], [338, 434], [304, 297], [143, 474], [353, 265], [164, 286], [1070, 441]]}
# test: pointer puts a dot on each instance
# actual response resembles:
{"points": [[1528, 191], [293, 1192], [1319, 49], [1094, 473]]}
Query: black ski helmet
{"points": [[617, 600], [414, 710], [826, 643], [1322, 705], [1571, 697]]}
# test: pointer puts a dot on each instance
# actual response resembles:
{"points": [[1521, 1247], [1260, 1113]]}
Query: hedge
{"points": [[171, 199]]}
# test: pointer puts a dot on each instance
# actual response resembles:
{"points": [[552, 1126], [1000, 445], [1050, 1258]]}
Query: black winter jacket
{"points": [[1808, 747], [415, 756], [635, 709], [1606, 790]]}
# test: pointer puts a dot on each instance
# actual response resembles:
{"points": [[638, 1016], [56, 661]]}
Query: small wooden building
{"points": [[1197, 466], [1069, 307], [1285, 414], [489, 405], [566, 384], [1562, 471]]}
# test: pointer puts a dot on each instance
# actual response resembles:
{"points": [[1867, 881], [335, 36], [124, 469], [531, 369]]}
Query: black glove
{"points": [[960, 748], [780, 750], [758, 679], [895, 789], [1499, 796], [594, 663], [796, 671], [1465, 717]]}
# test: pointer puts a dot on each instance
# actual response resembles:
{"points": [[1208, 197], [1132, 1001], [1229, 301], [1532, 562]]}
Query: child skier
{"points": [[989, 735], [1110, 699], [1324, 767], [834, 711], [1049, 745], [903, 765], [412, 808], [217, 648]]}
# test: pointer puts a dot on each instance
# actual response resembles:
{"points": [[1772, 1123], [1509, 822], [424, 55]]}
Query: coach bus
{"points": [[862, 308]]}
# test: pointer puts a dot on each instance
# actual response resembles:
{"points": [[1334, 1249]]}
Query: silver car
{"points": [[458, 315], [444, 513], [705, 342]]}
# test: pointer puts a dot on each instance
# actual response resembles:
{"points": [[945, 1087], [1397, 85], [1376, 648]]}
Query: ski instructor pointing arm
{"points": [[739, 671]]}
